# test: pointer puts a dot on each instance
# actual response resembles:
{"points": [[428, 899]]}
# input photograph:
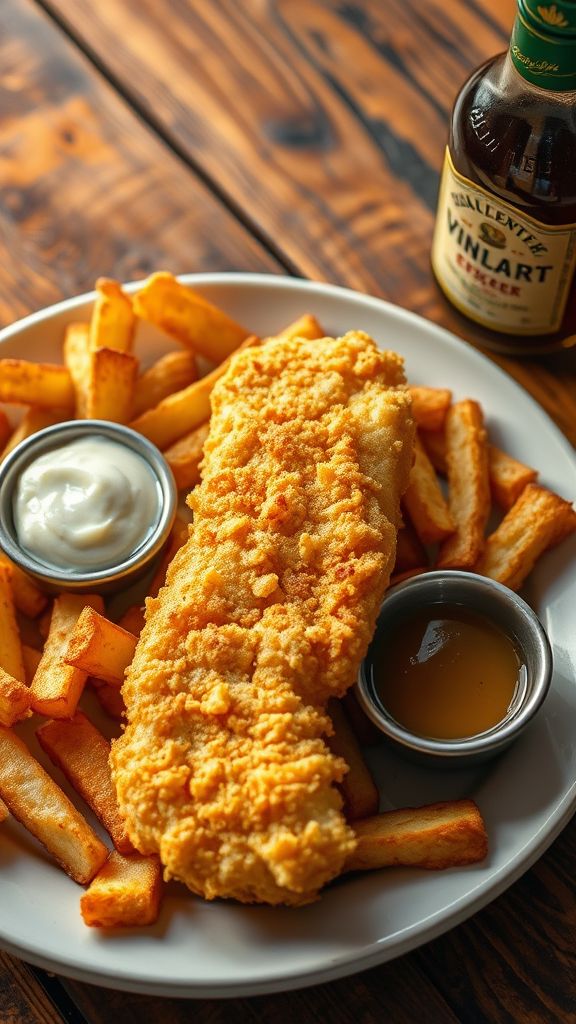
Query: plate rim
{"points": [[439, 922]]}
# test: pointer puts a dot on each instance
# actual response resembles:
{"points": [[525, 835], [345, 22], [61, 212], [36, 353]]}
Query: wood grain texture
{"points": [[325, 119], [22, 999], [85, 188]]}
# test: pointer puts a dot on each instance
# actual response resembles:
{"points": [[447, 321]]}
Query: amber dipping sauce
{"points": [[445, 672]]}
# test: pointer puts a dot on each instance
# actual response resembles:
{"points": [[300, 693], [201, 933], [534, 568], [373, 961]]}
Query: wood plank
{"points": [[395, 992], [515, 960], [86, 188], [324, 120], [22, 999]]}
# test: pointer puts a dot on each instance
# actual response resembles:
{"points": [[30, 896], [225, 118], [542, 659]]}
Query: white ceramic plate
{"points": [[219, 949]]}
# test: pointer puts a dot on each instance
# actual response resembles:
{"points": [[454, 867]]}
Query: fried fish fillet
{"points": [[267, 612]]}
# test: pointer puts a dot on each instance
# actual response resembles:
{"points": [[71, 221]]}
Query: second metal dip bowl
{"points": [[71, 578], [506, 610]]}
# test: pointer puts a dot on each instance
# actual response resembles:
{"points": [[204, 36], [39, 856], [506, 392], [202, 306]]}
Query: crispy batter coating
{"points": [[267, 612]]}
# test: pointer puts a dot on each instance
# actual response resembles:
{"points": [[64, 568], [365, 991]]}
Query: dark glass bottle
{"points": [[504, 248]]}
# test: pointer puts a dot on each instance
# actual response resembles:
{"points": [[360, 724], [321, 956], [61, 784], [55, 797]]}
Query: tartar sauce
{"points": [[89, 504]]}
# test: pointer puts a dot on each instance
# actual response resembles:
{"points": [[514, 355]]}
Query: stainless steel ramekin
{"points": [[78, 580], [505, 609]]}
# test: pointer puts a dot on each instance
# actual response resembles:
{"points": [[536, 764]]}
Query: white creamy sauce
{"points": [[86, 505]]}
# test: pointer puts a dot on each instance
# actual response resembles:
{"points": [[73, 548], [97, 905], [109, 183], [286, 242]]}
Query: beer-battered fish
{"points": [[267, 612]]}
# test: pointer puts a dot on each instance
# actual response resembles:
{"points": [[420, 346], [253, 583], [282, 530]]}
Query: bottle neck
{"points": [[543, 43]]}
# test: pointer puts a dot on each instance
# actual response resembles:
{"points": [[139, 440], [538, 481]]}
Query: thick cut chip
{"points": [[56, 686], [537, 521], [185, 410], [46, 385], [508, 477], [77, 359], [11, 658], [33, 797], [33, 420], [306, 326], [424, 501], [15, 699], [184, 315], [172, 372], [443, 835], [410, 552], [430, 406], [184, 457], [468, 485], [125, 893], [81, 752], [32, 659], [111, 380], [99, 647], [361, 797], [113, 322]]}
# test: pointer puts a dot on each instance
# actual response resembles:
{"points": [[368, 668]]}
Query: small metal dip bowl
{"points": [[70, 578], [503, 608]]}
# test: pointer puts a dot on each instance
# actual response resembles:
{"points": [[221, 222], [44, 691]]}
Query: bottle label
{"points": [[499, 267], [543, 43]]}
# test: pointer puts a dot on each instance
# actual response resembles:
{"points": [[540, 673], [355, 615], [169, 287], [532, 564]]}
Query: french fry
{"points": [[442, 835], [306, 326], [113, 322], [430, 406], [184, 315], [56, 686], [184, 457], [81, 752], [99, 647], [468, 486], [410, 552], [125, 893], [33, 797], [508, 477], [15, 699], [44, 621], [11, 659], [360, 793], [183, 411], [33, 420], [31, 659], [28, 597], [537, 521], [424, 500], [172, 372], [5, 429], [109, 698], [46, 385], [77, 359], [434, 442], [111, 379]]}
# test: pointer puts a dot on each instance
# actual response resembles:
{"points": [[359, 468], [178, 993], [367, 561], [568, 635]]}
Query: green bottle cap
{"points": [[543, 43]]}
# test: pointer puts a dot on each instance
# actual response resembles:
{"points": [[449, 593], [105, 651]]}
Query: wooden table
{"points": [[291, 137]]}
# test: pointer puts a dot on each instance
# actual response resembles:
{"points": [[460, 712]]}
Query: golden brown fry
{"points": [[184, 457], [44, 621], [46, 385], [81, 752], [184, 315], [15, 699], [77, 359], [41, 806], [361, 797], [430, 406], [111, 380], [113, 322], [11, 659], [434, 442], [172, 372], [125, 893], [99, 647], [468, 486], [33, 420], [306, 326], [537, 521], [56, 686], [442, 835], [410, 553], [31, 661], [109, 698], [28, 597], [185, 410], [508, 477], [424, 500], [5, 429]]}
